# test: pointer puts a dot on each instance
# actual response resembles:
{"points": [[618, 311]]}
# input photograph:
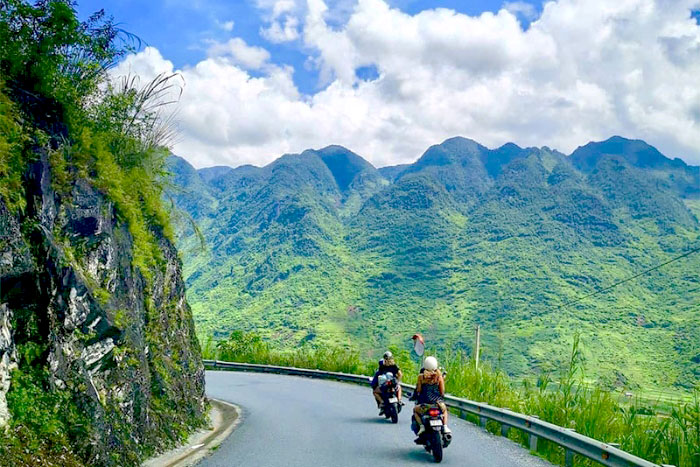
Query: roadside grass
{"points": [[250, 348], [668, 435]]}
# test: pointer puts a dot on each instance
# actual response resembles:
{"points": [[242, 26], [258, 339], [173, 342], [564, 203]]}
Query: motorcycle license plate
{"points": [[435, 422], [393, 400]]}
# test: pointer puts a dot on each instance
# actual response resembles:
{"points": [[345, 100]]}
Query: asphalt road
{"points": [[291, 421]]}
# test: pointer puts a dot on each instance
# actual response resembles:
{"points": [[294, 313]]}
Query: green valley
{"points": [[323, 248]]}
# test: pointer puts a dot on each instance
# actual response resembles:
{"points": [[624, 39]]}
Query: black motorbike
{"points": [[389, 389], [436, 436]]}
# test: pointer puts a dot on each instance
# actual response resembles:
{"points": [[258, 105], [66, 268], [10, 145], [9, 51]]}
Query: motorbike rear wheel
{"points": [[436, 446], [393, 412]]}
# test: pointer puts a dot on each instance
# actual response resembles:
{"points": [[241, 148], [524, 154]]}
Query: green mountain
{"points": [[322, 247]]}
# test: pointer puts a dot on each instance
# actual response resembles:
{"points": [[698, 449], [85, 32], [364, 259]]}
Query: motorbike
{"points": [[436, 436], [389, 389]]}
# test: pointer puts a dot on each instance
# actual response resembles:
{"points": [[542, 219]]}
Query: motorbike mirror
{"points": [[418, 345]]}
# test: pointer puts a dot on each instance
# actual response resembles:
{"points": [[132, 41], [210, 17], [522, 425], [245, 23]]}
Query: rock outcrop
{"points": [[8, 360], [120, 340], [14, 262]]}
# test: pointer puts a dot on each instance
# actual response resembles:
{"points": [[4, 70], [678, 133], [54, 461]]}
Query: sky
{"points": [[389, 78]]}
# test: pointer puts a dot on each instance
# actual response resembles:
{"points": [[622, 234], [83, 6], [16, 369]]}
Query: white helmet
{"points": [[430, 363], [388, 355]]}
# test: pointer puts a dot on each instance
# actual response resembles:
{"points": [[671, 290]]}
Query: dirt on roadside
{"points": [[224, 419]]}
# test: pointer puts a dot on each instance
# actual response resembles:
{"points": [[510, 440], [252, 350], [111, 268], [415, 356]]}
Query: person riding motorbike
{"points": [[386, 365], [430, 390]]}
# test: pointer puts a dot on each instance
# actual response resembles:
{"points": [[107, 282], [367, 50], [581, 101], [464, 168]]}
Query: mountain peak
{"points": [[456, 150], [335, 151], [210, 173], [462, 143], [636, 152], [344, 164], [509, 147]]}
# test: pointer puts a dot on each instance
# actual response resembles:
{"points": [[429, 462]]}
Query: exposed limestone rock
{"points": [[14, 263], [96, 352], [78, 310], [8, 360], [95, 314]]}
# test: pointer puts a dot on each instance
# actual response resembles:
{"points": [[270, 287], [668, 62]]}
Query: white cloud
{"points": [[584, 70], [283, 25], [226, 25], [527, 10], [147, 64], [240, 53], [278, 32]]}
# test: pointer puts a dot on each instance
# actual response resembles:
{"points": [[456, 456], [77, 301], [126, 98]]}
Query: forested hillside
{"points": [[321, 247]]}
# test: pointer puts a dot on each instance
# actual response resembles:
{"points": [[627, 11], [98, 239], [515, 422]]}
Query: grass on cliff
{"points": [[45, 421], [669, 438], [12, 145], [57, 98]]}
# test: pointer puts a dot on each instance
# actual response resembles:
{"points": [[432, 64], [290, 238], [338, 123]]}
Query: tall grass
{"points": [[672, 438], [250, 348]]}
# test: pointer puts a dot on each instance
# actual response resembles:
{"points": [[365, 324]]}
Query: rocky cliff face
{"points": [[14, 264], [117, 341]]}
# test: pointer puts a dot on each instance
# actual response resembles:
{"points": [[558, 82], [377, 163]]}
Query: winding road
{"points": [[293, 421]]}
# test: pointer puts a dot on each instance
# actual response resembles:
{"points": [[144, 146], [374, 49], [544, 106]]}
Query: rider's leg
{"points": [[443, 407], [400, 392], [418, 410], [378, 396]]}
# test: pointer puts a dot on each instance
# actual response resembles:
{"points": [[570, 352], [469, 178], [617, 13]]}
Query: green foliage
{"points": [[50, 60], [46, 422], [171, 407], [133, 116], [249, 347], [135, 195], [53, 66], [12, 147]]}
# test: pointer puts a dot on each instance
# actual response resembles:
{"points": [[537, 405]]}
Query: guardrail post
{"points": [[482, 422], [569, 456], [569, 462], [533, 438], [504, 430], [533, 442]]}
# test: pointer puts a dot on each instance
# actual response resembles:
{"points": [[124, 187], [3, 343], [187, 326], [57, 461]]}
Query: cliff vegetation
{"points": [[99, 362]]}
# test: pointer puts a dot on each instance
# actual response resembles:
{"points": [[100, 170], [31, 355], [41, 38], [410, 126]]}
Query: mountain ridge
{"points": [[465, 235], [578, 152]]}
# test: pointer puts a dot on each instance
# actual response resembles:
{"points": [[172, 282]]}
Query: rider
{"points": [[386, 365], [431, 390]]}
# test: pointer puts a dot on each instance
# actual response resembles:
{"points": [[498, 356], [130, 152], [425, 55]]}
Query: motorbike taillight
{"points": [[434, 412]]}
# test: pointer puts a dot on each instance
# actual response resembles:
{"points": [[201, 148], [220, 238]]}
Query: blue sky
{"points": [[389, 78], [181, 29]]}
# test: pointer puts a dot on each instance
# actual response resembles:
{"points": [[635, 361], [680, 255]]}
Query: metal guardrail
{"points": [[573, 443]]}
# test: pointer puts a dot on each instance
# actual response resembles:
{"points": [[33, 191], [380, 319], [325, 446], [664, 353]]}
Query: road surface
{"points": [[291, 421]]}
